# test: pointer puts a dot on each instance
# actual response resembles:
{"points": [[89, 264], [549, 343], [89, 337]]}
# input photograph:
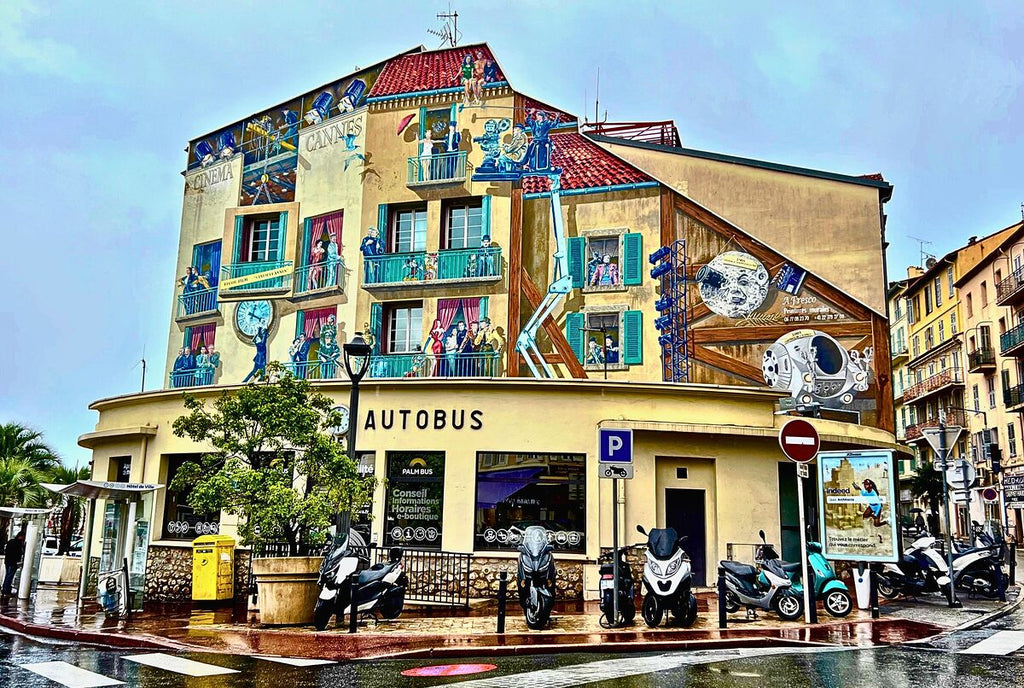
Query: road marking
{"points": [[295, 661], [1002, 643], [179, 665], [71, 676], [610, 669]]}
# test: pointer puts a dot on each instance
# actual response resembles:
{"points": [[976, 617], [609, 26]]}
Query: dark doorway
{"points": [[789, 509], [684, 511]]}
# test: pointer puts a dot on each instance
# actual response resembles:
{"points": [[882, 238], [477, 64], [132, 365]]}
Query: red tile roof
{"points": [[877, 176], [426, 71], [532, 104], [585, 165]]}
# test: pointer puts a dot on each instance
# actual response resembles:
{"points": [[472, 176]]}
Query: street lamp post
{"points": [[357, 361]]}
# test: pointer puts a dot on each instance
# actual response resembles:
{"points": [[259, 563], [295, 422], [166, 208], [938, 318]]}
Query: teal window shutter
{"points": [[187, 341], [577, 261], [300, 322], [307, 241], [282, 235], [485, 215], [632, 342], [633, 258], [483, 307], [376, 320], [239, 231], [574, 323], [423, 121], [382, 223]]}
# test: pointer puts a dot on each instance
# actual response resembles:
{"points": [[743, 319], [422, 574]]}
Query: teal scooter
{"points": [[832, 592]]}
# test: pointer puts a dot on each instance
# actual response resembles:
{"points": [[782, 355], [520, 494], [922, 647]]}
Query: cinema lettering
{"points": [[423, 419]]}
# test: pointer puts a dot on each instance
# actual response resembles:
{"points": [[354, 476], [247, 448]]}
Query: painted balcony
{"points": [[914, 432], [455, 266], [1010, 291], [981, 360], [1011, 342], [245, 279], [949, 377], [1013, 397], [315, 370], [198, 303], [190, 378], [483, 364], [321, 278], [437, 169]]}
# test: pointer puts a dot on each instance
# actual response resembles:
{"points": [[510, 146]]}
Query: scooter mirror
{"points": [[761, 533], [640, 529], [394, 554], [683, 538]]}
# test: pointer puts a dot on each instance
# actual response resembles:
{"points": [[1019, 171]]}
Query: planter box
{"points": [[55, 570], [287, 589]]}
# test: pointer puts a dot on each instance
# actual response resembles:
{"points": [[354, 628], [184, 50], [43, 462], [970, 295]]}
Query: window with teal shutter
{"points": [[300, 322], [483, 307], [307, 241], [282, 234], [376, 320], [577, 261], [485, 212], [382, 223], [632, 337], [632, 258], [239, 233], [574, 324]]}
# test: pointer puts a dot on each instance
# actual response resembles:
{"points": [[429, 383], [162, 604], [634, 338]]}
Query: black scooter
{"points": [[380, 589], [627, 590], [535, 577]]}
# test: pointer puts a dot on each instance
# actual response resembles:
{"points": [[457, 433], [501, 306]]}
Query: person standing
{"points": [[14, 552]]}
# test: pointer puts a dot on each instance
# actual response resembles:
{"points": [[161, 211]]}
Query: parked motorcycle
{"points": [[627, 590], [379, 589], [535, 577], [769, 588], [832, 592], [668, 578], [921, 569]]}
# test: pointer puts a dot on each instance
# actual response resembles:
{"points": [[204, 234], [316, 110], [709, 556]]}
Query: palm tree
{"points": [[928, 484], [70, 508], [19, 486], [24, 444]]}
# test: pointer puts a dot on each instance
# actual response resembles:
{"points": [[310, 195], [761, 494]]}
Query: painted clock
{"points": [[252, 315], [342, 427]]}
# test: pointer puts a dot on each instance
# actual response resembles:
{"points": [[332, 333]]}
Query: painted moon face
{"points": [[733, 284]]}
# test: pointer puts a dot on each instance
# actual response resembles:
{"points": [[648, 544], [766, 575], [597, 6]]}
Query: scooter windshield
{"points": [[535, 539], [662, 542]]}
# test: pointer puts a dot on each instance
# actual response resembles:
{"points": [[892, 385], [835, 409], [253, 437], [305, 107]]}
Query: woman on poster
{"points": [[874, 508]]}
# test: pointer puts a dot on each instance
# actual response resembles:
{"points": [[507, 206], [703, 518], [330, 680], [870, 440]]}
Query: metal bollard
{"points": [[723, 616], [811, 598], [1013, 563], [873, 594], [353, 615], [502, 591]]}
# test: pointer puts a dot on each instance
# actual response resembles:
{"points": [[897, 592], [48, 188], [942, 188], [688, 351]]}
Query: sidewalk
{"points": [[421, 632]]}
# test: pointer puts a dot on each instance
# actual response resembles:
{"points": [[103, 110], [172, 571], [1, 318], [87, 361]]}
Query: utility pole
{"points": [[943, 453]]}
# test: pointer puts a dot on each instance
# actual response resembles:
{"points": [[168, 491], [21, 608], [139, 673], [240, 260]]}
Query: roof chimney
{"points": [[914, 271], [972, 241]]}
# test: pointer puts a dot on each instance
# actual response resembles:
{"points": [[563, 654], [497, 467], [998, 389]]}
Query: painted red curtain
{"points": [[202, 335], [315, 319]]}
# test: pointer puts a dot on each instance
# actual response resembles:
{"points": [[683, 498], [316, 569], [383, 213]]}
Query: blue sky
{"points": [[100, 99]]}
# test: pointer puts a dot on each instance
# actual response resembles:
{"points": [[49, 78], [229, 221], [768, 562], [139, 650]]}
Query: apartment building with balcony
{"points": [[898, 344], [430, 204]]}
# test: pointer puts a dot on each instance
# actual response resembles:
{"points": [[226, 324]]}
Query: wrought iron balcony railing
{"points": [[951, 417], [1013, 397], [949, 376], [1010, 289], [267, 275], [197, 302], [1012, 340], [449, 267], [437, 168], [319, 277], [979, 359], [478, 364]]}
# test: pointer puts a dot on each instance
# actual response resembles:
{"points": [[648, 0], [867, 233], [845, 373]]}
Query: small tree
{"points": [[275, 463], [72, 509], [928, 484]]}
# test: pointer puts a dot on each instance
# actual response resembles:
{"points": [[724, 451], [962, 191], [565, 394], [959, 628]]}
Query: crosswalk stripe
{"points": [[294, 661], [179, 665], [609, 669], [1002, 643], [70, 676]]}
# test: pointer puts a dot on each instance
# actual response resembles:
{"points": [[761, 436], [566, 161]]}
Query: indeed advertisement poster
{"points": [[858, 520]]}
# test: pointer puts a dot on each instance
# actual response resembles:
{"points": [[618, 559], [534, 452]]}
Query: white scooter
{"points": [[378, 589], [668, 579]]}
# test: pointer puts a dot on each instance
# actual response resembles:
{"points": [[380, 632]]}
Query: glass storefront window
{"points": [[415, 499], [514, 491], [180, 520]]}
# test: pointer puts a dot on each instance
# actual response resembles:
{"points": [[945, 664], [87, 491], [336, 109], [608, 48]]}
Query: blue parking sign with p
{"points": [[614, 445]]}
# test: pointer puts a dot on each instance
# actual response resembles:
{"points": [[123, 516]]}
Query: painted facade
{"points": [[483, 242]]}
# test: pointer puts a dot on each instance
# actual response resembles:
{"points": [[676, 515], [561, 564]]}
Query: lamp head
{"points": [[357, 357]]}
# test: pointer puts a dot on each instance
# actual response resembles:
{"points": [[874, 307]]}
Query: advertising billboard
{"points": [[857, 498]]}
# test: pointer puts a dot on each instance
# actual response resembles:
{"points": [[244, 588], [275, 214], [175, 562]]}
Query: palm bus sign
{"points": [[856, 493]]}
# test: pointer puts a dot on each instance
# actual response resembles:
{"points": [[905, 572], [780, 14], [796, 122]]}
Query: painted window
{"points": [[318, 233], [606, 259], [990, 385], [463, 224], [206, 262], [180, 521], [263, 242], [949, 281], [514, 491], [984, 294], [304, 352], [611, 337], [938, 291], [408, 230], [403, 324], [1011, 438]]}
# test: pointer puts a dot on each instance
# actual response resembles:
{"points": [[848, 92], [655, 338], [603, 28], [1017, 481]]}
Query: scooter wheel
{"points": [[789, 606], [652, 611], [627, 611], [322, 613], [838, 603], [886, 588], [689, 608], [732, 602]]}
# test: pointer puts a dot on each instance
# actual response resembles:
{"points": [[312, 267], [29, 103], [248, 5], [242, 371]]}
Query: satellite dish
{"points": [[929, 263]]}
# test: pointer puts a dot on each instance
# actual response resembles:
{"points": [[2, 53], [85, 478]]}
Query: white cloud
{"points": [[22, 49]]}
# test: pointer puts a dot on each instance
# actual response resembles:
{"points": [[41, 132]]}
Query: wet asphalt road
{"points": [[920, 666]]}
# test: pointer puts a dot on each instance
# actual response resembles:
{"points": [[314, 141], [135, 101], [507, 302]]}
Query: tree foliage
{"points": [[929, 485], [274, 461], [24, 444]]}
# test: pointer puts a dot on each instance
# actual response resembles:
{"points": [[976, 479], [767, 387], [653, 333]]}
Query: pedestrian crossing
{"points": [[1002, 643], [71, 676]]}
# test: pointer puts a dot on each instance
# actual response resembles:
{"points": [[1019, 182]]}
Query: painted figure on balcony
{"points": [[329, 353], [204, 367], [611, 349], [472, 266], [299, 352], [540, 123], [466, 75], [451, 352], [452, 140], [371, 247], [259, 361], [412, 270], [425, 151], [488, 257], [333, 261], [430, 266], [595, 356], [316, 267], [606, 274]]}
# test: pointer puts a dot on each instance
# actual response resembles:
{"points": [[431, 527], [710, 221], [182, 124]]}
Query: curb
{"points": [[971, 624], [118, 640]]}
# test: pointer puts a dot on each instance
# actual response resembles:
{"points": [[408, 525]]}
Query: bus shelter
{"points": [[32, 518], [127, 517]]}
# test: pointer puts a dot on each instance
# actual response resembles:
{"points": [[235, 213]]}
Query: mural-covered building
{"points": [[524, 280]]}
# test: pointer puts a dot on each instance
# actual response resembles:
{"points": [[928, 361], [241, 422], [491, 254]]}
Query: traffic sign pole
{"points": [[943, 453], [800, 442], [615, 448]]}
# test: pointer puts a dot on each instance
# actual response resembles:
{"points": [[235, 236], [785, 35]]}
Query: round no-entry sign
{"points": [[799, 440], [989, 494]]}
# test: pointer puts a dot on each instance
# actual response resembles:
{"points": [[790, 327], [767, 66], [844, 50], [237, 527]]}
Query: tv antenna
{"points": [[597, 101], [449, 32], [922, 254]]}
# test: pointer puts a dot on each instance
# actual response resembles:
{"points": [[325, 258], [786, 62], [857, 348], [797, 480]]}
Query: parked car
{"points": [[51, 546]]}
